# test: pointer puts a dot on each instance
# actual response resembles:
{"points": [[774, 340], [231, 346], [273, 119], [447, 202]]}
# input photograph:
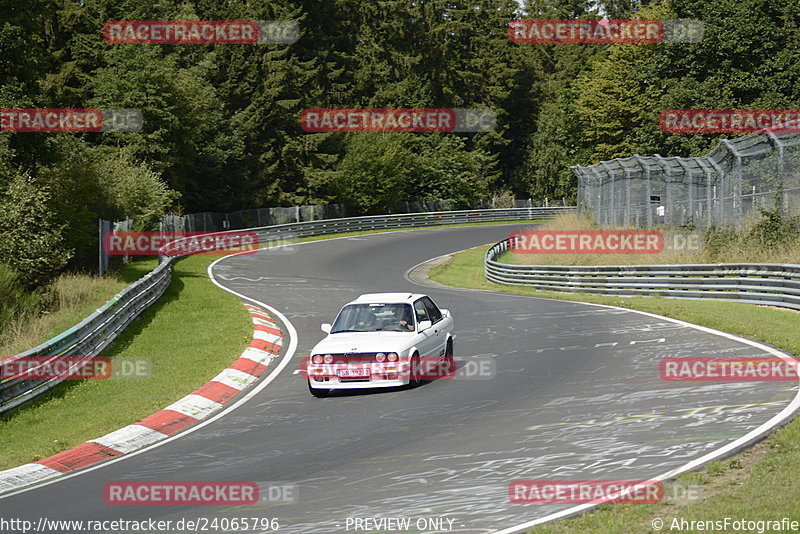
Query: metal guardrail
{"points": [[404, 220], [769, 284], [87, 339]]}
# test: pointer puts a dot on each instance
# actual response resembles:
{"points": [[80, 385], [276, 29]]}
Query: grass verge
{"points": [[72, 297], [771, 238], [760, 483], [192, 313]]}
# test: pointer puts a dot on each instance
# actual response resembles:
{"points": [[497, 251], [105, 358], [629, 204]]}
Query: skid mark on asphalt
{"points": [[688, 412]]}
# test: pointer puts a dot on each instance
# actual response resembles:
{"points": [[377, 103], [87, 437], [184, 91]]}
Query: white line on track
{"points": [[783, 417], [225, 411]]}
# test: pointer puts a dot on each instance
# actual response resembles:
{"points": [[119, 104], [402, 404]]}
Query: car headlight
{"points": [[392, 356], [317, 358], [328, 358], [380, 356]]}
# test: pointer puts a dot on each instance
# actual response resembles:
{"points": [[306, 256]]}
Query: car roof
{"points": [[387, 298]]}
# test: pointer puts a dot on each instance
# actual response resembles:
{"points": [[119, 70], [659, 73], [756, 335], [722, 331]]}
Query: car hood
{"points": [[363, 342]]}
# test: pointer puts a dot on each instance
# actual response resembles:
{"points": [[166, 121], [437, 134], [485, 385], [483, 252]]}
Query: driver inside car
{"points": [[406, 320]]}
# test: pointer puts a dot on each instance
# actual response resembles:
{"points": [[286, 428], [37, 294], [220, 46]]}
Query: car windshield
{"points": [[374, 318]]}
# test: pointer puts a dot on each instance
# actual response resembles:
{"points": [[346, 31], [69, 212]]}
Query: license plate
{"points": [[351, 373]]}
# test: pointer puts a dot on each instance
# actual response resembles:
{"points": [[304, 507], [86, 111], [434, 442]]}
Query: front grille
{"points": [[358, 357]]}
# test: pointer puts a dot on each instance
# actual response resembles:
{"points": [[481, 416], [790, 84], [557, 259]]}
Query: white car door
{"points": [[439, 325], [428, 340]]}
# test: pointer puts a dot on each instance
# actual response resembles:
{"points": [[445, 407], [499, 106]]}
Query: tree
{"points": [[747, 59], [373, 173]]}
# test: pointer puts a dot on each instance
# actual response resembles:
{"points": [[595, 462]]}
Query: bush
{"points": [[772, 234], [31, 241], [372, 175], [132, 189], [100, 183], [775, 231], [718, 240]]}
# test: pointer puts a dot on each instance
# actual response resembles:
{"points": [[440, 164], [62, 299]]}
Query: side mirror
{"points": [[326, 327], [445, 313], [424, 325]]}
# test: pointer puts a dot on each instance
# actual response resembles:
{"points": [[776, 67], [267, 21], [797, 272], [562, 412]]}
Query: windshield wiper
{"points": [[340, 331]]}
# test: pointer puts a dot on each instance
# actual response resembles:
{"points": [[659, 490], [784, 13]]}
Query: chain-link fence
{"points": [[735, 179]]}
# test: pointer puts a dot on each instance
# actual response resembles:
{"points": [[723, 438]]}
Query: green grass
{"points": [[71, 298], [762, 482], [191, 333], [681, 246]]}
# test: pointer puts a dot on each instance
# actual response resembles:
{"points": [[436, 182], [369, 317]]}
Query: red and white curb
{"points": [[198, 405]]}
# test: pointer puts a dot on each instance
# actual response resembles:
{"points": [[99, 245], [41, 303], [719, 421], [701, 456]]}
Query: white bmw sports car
{"points": [[383, 340]]}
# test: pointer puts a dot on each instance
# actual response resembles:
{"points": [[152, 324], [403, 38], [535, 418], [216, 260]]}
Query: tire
{"points": [[414, 378], [319, 393], [449, 360]]}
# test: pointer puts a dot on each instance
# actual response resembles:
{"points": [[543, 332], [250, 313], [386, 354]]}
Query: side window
{"points": [[433, 310], [422, 313]]}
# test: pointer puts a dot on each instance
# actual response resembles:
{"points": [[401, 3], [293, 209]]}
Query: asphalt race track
{"points": [[575, 395]]}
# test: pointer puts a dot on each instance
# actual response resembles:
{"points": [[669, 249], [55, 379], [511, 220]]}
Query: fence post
{"points": [[782, 203], [612, 211], [691, 194], [102, 258], [668, 183], [709, 205], [736, 192], [649, 192], [628, 197], [599, 181]]}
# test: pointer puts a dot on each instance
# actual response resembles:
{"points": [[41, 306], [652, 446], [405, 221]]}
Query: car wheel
{"points": [[414, 373], [320, 393], [449, 360]]}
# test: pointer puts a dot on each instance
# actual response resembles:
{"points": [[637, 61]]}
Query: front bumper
{"points": [[358, 385], [381, 375]]}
